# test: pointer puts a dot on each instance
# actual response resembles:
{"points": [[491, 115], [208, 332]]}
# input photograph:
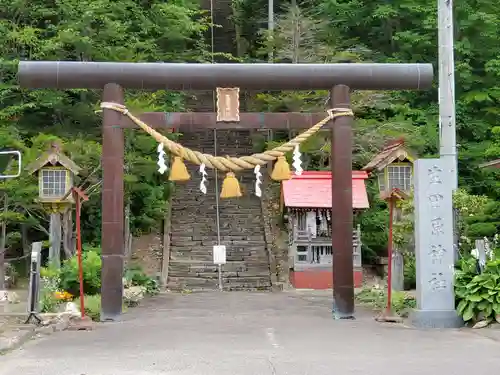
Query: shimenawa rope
{"points": [[228, 163]]}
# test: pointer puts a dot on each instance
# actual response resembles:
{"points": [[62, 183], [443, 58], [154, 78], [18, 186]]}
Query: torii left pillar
{"points": [[113, 245]]}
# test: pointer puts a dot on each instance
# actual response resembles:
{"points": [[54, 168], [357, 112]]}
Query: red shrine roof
{"points": [[313, 189]]}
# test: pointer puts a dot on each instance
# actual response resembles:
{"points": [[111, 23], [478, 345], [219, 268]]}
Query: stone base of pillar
{"points": [[436, 319]]}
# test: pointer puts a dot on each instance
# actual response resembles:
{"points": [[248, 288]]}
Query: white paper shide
{"points": [[203, 183], [162, 165], [258, 180]]}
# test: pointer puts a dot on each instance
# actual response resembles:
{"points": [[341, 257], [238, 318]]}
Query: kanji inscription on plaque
{"points": [[228, 104]]}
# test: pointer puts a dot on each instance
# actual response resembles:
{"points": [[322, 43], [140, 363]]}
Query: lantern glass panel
{"points": [[399, 177], [53, 183]]}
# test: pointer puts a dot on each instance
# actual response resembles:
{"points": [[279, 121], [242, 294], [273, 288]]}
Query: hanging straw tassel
{"points": [[281, 170], [230, 187], [178, 171]]}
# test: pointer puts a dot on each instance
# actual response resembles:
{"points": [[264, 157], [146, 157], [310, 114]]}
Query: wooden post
{"points": [[112, 207], [167, 220], [26, 248], [342, 216], [55, 240]]}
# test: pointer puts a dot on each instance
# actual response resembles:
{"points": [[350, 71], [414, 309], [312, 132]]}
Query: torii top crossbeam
{"points": [[184, 76]]}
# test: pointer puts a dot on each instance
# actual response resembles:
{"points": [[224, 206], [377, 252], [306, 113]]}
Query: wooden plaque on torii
{"points": [[228, 104]]}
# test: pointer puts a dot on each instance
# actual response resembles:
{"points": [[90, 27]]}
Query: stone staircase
{"points": [[194, 225]]}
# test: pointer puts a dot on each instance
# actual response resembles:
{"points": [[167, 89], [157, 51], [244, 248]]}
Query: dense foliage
{"points": [[478, 294], [315, 31], [30, 120]]}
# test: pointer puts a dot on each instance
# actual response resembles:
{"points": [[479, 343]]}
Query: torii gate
{"points": [[339, 78]]}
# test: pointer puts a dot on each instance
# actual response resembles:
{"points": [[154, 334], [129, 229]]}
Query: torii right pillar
{"points": [[342, 217]]}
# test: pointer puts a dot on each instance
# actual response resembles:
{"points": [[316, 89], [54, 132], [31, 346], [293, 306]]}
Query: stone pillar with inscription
{"points": [[434, 247]]}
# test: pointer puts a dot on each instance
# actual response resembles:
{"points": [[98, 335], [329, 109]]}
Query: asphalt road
{"points": [[252, 333]]}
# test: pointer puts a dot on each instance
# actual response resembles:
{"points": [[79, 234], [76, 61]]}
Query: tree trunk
{"points": [[296, 33], [55, 240], [68, 234], [3, 236], [26, 248]]}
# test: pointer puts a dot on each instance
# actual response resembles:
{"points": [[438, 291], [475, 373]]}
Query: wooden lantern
{"points": [[393, 167], [56, 174]]}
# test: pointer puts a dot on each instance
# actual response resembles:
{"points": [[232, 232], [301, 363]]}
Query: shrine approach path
{"points": [[252, 333]]}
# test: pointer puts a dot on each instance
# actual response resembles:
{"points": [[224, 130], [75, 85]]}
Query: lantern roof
{"points": [[54, 157], [394, 150]]}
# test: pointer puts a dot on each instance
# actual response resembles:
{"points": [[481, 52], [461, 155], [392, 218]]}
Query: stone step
{"points": [[240, 270], [250, 263], [224, 239], [262, 278], [211, 240], [254, 245], [229, 283], [207, 246], [185, 263], [224, 225], [208, 214], [189, 253], [180, 283]]}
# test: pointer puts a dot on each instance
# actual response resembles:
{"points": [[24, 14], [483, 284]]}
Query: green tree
{"points": [[97, 30]]}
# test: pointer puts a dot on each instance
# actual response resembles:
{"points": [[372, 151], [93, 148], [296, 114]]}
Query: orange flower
{"points": [[63, 296]]}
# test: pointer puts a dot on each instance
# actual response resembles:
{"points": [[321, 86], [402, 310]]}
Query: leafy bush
{"points": [[477, 295], [410, 271], [48, 301], [89, 247], [70, 281], [50, 284], [402, 302], [92, 306], [484, 223], [135, 276]]}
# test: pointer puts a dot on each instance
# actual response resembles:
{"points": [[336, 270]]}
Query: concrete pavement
{"points": [[252, 333]]}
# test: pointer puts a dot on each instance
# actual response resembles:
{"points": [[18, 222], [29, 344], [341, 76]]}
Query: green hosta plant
{"points": [[478, 295]]}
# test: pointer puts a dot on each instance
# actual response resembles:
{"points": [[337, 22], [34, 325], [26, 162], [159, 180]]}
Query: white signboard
{"points": [[14, 153], [219, 254]]}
